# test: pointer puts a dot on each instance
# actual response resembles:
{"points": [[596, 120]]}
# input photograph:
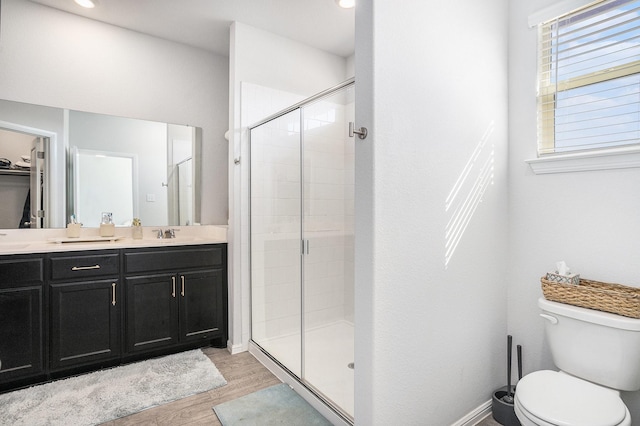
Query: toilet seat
{"points": [[550, 398]]}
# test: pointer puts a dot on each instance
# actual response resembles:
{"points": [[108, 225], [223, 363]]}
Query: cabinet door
{"points": [[201, 305], [20, 332], [152, 320], [85, 322]]}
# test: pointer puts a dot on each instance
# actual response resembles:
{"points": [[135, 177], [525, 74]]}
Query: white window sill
{"points": [[615, 158]]}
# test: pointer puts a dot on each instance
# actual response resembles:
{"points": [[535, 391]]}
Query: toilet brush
{"points": [[508, 398], [519, 350]]}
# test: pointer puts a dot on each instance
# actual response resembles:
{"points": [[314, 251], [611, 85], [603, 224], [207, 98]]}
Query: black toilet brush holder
{"points": [[502, 411]]}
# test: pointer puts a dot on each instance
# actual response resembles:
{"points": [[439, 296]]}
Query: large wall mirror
{"points": [[97, 163]]}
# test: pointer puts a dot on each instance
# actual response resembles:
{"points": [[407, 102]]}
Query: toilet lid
{"points": [[564, 400]]}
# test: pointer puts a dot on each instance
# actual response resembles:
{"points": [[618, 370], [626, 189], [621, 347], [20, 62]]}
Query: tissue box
{"points": [[564, 279]]}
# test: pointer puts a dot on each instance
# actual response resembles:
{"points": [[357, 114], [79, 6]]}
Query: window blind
{"points": [[589, 78]]}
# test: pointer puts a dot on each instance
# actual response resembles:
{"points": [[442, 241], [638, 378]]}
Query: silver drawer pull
{"points": [[113, 294], [173, 286], [182, 279], [84, 268]]}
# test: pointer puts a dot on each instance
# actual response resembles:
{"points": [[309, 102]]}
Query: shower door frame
{"points": [[263, 354]]}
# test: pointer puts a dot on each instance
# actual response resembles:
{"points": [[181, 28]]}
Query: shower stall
{"points": [[302, 243]]}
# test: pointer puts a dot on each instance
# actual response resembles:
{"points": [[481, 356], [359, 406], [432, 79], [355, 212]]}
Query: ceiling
{"points": [[205, 23]]}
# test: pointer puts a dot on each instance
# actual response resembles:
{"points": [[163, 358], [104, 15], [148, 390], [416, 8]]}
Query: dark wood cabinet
{"points": [[85, 309], [202, 305], [152, 312], [68, 312], [85, 323], [185, 304], [21, 317]]}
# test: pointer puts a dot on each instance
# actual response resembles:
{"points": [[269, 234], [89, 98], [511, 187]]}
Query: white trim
{"points": [[308, 396], [557, 9], [475, 416], [236, 349], [616, 158]]}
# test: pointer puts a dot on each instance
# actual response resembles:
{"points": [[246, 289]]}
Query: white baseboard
{"points": [[236, 349], [475, 416]]}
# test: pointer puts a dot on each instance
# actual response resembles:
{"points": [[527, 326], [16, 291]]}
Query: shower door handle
{"points": [[307, 246]]}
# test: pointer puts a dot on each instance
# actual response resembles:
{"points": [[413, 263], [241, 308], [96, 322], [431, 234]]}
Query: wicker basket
{"points": [[613, 298]]}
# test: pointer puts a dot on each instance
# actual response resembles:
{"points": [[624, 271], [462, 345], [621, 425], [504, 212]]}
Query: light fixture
{"points": [[347, 4], [89, 4]]}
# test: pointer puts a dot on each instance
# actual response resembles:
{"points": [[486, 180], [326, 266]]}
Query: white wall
{"points": [[430, 338], [53, 58], [14, 145], [275, 62], [588, 219]]}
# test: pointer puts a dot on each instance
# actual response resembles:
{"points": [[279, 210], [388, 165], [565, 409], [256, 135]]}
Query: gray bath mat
{"points": [[275, 405], [105, 395]]}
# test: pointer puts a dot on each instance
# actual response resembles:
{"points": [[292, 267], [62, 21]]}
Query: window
{"points": [[589, 79]]}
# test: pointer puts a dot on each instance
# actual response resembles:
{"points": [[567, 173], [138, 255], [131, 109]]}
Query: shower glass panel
{"points": [[302, 220], [275, 239], [328, 207]]}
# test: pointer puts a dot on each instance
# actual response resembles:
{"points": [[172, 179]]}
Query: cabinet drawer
{"points": [[176, 259], [85, 266], [20, 272]]}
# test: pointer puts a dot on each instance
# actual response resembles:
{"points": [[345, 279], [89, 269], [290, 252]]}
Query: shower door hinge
{"points": [[361, 132], [304, 247]]}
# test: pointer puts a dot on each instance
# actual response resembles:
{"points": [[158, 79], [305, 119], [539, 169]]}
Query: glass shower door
{"points": [[276, 311], [302, 243], [328, 208]]}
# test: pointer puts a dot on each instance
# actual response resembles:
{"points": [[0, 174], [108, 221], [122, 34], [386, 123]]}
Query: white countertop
{"points": [[24, 241]]}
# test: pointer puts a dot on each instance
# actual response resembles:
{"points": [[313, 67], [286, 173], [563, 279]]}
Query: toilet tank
{"points": [[596, 346]]}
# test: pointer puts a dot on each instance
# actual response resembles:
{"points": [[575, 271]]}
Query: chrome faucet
{"points": [[168, 233]]}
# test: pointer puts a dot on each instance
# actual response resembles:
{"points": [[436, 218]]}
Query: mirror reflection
{"points": [[97, 163]]}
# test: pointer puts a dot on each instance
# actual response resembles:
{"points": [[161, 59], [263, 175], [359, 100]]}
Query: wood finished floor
{"points": [[244, 375], [488, 422]]}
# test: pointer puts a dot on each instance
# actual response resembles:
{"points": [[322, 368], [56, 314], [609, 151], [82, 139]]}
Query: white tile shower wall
{"points": [[275, 216]]}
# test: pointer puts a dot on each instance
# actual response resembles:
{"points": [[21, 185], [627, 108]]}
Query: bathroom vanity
{"points": [[71, 308]]}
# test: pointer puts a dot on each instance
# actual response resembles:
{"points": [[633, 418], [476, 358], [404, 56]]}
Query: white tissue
{"points": [[562, 268]]}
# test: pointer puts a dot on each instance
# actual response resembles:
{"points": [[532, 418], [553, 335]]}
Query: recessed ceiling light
{"points": [[89, 4], [347, 4]]}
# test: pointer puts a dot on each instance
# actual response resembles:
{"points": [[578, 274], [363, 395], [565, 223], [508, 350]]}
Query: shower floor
{"points": [[329, 350]]}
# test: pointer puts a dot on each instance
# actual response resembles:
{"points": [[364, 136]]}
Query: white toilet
{"points": [[598, 355]]}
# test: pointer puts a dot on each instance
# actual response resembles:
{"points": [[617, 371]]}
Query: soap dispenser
{"points": [[136, 229], [107, 227], [73, 227]]}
